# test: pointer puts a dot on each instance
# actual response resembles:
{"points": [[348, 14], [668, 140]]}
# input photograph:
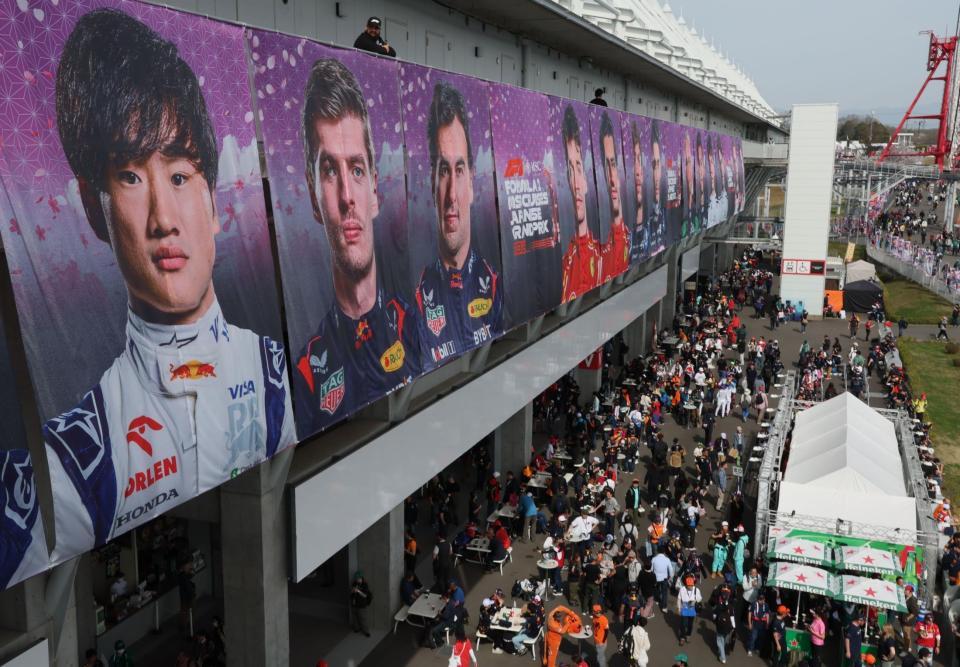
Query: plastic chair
{"points": [[400, 617], [532, 643]]}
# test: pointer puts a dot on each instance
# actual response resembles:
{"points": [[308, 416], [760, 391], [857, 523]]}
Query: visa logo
{"points": [[242, 389]]}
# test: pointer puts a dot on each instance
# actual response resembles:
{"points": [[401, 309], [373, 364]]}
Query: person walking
{"points": [[739, 552], [689, 599], [636, 643], [601, 630], [462, 650], [758, 622], [902, 325], [633, 501], [818, 635], [942, 329], [723, 617], [360, 599]]}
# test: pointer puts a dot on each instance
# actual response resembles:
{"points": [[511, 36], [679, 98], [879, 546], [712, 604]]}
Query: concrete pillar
{"points": [[669, 302], [589, 379], [633, 336], [513, 440], [253, 532], [23, 618], [379, 555]]}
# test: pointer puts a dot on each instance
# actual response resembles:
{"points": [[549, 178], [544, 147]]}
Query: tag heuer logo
{"points": [[332, 391], [436, 320], [479, 307], [392, 359]]}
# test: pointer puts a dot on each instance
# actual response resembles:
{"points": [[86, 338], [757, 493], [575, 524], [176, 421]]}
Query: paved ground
{"points": [[401, 649]]}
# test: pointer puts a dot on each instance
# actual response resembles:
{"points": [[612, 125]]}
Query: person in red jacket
{"points": [[927, 633]]}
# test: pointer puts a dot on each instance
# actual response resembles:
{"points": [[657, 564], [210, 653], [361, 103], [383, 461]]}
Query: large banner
{"points": [[137, 243], [23, 549], [738, 166], [635, 136], [451, 197], [728, 172], [527, 170], [581, 265], [615, 236], [692, 188], [717, 212], [671, 148], [333, 138]]}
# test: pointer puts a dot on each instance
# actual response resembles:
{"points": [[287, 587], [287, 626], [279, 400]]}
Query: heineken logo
{"points": [[332, 391], [436, 319]]}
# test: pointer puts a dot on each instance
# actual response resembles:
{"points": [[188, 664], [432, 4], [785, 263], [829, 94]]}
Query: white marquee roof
{"points": [[673, 39], [845, 463]]}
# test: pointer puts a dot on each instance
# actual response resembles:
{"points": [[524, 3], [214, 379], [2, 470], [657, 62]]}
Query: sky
{"points": [[867, 55]]}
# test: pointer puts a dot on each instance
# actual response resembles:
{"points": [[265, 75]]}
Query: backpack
{"points": [[626, 644], [676, 459]]}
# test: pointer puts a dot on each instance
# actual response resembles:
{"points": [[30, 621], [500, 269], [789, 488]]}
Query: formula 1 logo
{"points": [[332, 392], [436, 319], [514, 168], [136, 430], [192, 370]]}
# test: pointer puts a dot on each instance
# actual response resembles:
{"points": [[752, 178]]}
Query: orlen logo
{"points": [[141, 481], [514, 168], [136, 430]]}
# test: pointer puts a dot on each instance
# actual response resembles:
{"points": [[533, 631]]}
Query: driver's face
{"points": [[578, 180], [161, 222], [638, 173], [453, 189], [612, 175], [343, 192], [657, 171]]}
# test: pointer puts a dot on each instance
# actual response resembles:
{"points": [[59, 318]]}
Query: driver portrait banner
{"points": [[454, 232], [333, 138], [136, 239], [527, 169], [608, 163], [671, 146], [581, 266], [635, 138], [23, 547]]}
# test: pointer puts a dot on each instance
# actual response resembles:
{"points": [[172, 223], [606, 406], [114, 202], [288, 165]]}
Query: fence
{"points": [[917, 273]]}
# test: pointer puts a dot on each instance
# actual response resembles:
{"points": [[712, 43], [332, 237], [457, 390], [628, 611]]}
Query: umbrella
{"points": [[803, 578], [866, 559], [799, 550], [872, 592]]}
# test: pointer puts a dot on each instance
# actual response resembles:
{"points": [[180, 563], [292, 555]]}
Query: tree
{"points": [[863, 129]]}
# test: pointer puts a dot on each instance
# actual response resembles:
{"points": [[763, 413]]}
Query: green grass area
{"points": [[839, 249], [931, 370], [905, 298]]}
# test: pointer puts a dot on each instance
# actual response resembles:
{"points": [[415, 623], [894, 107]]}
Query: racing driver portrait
{"points": [[581, 261], [368, 343], [192, 400], [459, 296], [615, 253]]}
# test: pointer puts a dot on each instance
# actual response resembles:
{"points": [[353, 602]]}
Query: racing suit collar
{"points": [[176, 359], [448, 275], [339, 316]]}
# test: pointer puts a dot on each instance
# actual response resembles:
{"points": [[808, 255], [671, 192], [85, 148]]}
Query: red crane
{"points": [[941, 51]]}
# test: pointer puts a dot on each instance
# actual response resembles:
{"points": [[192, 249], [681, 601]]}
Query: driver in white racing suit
{"points": [[191, 401]]}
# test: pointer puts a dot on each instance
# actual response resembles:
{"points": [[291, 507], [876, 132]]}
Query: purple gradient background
{"points": [[69, 292], [417, 85], [627, 121], [519, 121], [671, 146]]}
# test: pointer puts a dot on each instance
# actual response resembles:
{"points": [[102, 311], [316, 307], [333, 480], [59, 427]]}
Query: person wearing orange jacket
{"points": [[601, 629], [560, 621]]}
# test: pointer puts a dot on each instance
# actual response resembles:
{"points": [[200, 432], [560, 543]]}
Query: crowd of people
{"points": [[620, 506]]}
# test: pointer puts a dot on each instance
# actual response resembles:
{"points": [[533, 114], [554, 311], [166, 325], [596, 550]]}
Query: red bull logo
{"points": [[364, 333], [192, 370]]}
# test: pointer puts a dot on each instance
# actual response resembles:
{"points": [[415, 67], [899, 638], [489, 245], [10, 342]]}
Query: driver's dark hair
{"points": [[447, 105], [571, 127], [124, 93]]}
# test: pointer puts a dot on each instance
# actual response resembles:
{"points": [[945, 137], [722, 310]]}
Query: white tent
{"points": [[860, 270], [844, 463]]}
